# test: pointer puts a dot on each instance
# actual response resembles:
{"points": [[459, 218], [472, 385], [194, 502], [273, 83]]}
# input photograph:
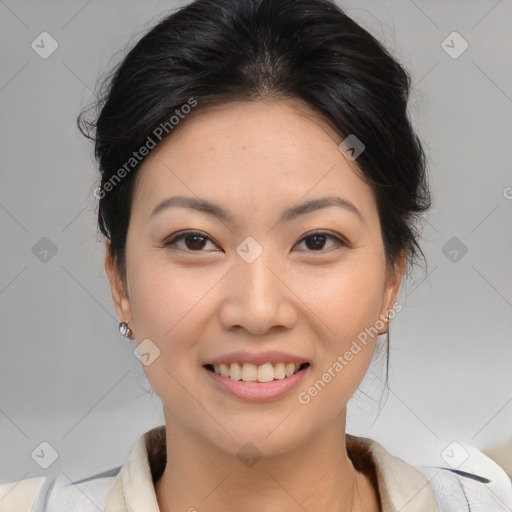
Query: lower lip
{"points": [[257, 391]]}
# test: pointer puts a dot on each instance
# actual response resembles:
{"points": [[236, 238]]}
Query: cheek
{"points": [[347, 298], [165, 297], [348, 305], [162, 304], [166, 309]]}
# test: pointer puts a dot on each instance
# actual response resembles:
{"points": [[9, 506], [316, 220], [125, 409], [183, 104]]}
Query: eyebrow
{"points": [[211, 208]]}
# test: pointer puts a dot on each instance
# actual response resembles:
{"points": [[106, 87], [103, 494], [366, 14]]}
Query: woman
{"points": [[261, 187]]}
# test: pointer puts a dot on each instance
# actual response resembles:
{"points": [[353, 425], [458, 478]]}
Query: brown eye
{"points": [[193, 241], [316, 241]]}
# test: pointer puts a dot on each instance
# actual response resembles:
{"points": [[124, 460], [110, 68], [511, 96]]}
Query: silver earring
{"points": [[387, 318], [125, 330]]}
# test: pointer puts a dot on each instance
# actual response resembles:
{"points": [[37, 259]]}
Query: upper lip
{"points": [[257, 358]]}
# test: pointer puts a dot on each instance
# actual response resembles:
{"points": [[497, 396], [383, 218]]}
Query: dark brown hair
{"points": [[214, 51]]}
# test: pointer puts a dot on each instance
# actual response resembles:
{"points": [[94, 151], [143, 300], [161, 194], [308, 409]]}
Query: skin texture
{"points": [[203, 300]]}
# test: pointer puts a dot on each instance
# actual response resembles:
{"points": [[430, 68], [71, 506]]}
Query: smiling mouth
{"points": [[249, 372]]}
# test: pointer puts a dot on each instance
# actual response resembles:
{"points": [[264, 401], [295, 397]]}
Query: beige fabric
{"points": [[402, 487], [133, 489], [19, 496]]}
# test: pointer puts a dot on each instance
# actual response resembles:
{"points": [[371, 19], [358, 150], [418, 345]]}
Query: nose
{"points": [[257, 297]]}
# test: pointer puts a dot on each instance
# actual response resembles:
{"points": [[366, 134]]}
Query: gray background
{"points": [[66, 375]]}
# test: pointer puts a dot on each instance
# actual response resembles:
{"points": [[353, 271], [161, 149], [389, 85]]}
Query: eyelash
{"points": [[172, 242]]}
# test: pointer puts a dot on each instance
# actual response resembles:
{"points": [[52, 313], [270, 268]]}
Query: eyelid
{"points": [[340, 238], [169, 241]]}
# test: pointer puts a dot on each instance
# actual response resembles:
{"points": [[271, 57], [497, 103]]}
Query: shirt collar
{"points": [[401, 487]]}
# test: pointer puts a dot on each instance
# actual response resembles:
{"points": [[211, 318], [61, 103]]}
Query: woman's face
{"points": [[254, 284]]}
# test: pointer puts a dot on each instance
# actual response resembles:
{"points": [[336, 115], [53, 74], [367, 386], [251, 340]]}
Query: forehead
{"points": [[273, 152]]}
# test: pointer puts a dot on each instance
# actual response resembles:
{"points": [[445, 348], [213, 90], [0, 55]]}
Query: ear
{"points": [[119, 295], [394, 277]]}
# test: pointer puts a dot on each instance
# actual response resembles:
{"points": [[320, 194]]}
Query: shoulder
{"points": [[437, 476], [54, 493], [468, 480]]}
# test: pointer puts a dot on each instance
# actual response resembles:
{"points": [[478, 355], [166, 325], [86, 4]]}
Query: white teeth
{"points": [[289, 369], [235, 371], [249, 372], [265, 372], [224, 369], [279, 371]]}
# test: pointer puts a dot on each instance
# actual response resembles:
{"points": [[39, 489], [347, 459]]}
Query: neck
{"points": [[316, 476]]}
